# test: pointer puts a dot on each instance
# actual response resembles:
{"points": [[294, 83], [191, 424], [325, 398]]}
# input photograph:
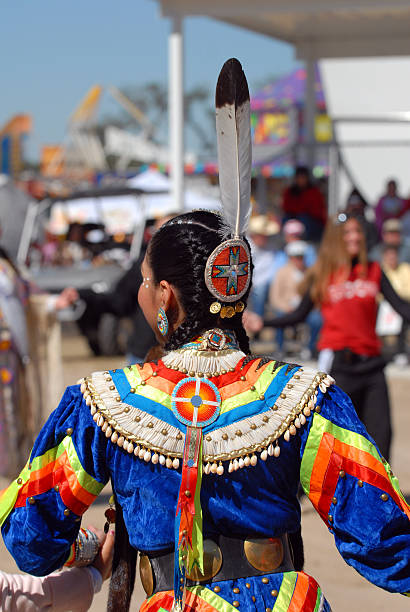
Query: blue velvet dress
{"points": [[278, 425]]}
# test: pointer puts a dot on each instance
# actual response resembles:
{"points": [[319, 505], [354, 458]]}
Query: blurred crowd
{"points": [[285, 249], [361, 259]]}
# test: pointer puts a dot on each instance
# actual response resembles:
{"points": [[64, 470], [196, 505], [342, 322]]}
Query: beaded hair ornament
{"points": [[228, 268]]}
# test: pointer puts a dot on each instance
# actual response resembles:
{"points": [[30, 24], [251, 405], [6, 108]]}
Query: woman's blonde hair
{"points": [[333, 262]]}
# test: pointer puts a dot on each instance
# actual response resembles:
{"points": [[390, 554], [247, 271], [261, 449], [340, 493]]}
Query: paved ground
{"points": [[344, 588]]}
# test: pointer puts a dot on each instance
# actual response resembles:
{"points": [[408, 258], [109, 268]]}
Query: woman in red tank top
{"points": [[345, 286]]}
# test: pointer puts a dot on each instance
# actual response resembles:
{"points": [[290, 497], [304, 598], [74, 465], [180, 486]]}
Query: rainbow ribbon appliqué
{"points": [[195, 403]]}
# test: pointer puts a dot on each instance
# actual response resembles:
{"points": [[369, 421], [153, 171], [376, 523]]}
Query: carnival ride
{"points": [[82, 147]]}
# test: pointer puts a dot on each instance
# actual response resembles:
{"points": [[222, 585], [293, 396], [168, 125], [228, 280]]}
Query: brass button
{"points": [[252, 388], [243, 378], [342, 474], [69, 431], [265, 580], [137, 419], [164, 432], [330, 518], [19, 480], [360, 483], [111, 388], [224, 436], [274, 593], [31, 500], [179, 436], [235, 590], [238, 432], [187, 493], [143, 382], [155, 373], [265, 419], [268, 609], [318, 409], [56, 487], [283, 395], [253, 598], [132, 390], [253, 426], [118, 399], [208, 438], [126, 409], [235, 604], [217, 589], [262, 397], [384, 497], [248, 586], [334, 500], [66, 512], [150, 425]]}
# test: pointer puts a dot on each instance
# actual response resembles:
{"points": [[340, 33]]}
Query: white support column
{"points": [[333, 183], [310, 112], [176, 111]]}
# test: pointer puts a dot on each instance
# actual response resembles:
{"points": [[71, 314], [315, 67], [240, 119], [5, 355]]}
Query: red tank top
{"points": [[349, 313]]}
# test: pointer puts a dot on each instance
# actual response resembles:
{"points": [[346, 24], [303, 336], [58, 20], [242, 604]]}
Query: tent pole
{"points": [[310, 113], [334, 175], [176, 111]]}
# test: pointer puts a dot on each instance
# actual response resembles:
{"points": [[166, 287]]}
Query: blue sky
{"points": [[51, 52]]}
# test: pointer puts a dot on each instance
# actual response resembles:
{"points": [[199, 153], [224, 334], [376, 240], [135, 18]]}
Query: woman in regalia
{"points": [[205, 447]]}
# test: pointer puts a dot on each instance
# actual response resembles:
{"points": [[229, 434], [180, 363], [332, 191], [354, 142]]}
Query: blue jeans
{"points": [[314, 321]]}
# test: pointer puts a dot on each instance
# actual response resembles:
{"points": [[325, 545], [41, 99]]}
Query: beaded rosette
{"points": [[227, 271]]}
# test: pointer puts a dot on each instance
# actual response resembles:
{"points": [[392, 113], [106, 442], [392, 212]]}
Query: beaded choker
{"points": [[213, 340]]}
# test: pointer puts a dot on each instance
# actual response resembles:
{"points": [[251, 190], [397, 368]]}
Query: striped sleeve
{"points": [[356, 494], [40, 512]]}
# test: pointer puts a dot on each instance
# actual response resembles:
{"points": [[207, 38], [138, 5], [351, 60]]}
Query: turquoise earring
{"points": [[162, 322]]}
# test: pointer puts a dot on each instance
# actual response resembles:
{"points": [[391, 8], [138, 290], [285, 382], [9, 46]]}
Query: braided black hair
{"points": [[178, 253]]}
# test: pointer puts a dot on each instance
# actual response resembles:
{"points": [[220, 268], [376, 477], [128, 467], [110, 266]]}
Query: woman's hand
{"points": [[252, 322], [103, 560], [67, 297]]}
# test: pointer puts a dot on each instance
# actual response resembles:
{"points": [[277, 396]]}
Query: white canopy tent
{"points": [[317, 29], [157, 203], [150, 181]]}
